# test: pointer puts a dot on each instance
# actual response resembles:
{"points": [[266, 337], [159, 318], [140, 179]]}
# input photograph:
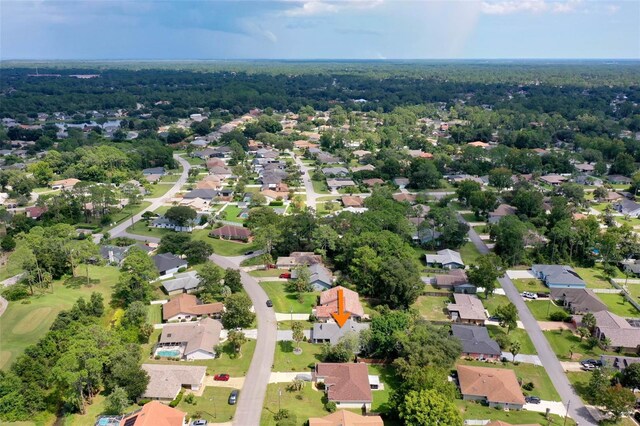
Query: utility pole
{"points": [[566, 414]]}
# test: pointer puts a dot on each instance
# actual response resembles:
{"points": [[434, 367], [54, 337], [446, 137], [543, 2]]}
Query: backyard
{"points": [[618, 305], [284, 301], [432, 307], [231, 213], [594, 276]]}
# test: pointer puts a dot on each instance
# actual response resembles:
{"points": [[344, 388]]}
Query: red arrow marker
{"points": [[341, 316]]}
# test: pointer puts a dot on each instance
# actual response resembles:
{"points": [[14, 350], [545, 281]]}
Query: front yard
{"points": [[433, 307], [541, 309], [469, 253], [564, 342], [284, 301], [302, 405], [472, 410], [223, 247], [518, 335], [286, 360], [532, 285], [212, 405]]}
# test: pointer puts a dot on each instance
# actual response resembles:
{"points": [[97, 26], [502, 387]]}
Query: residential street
{"points": [[577, 410], [251, 397], [312, 196]]}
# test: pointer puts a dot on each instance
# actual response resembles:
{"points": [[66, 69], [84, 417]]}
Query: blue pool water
{"points": [[168, 353]]}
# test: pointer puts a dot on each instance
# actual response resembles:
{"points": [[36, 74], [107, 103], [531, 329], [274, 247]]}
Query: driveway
{"points": [[286, 377], [284, 316], [252, 397], [527, 359], [520, 275], [120, 230], [577, 411], [555, 407]]}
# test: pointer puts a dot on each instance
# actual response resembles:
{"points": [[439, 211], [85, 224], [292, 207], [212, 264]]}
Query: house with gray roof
{"points": [[447, 259], [153, 171], [330, 332], [320, 277], [205, 194], [627, 207], [186, 282], [620, 363], [168, 264], [623, 337], [558, 276], [114, 255], [476, 342], [335, 172], [194, 340], [165, 223], [166, 381], [578, 300], [338, 183]]}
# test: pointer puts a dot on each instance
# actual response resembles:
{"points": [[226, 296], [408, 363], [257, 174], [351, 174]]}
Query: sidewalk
{"points": [[281, 316]]}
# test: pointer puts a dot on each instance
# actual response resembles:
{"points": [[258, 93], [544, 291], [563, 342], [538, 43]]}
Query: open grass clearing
{"points": [[284, 301], [541, 309], [302, 405], [159, 189], [286, 360], [128, 212], [469, 253], [518, 335], [433, 307], [265, 273], [618, 305], [564, 342], [320, 187], [224, 247], [493, 302], [213, 405], [532, 285], [472, 410], [595, 278], [231, 213], [154, 314]]}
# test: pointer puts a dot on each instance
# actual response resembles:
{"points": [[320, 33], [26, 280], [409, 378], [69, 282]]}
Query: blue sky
{"points": [[319, 29]]}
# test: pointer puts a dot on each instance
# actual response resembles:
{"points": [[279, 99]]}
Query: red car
{"points": [[221, 377], [286, 275]]}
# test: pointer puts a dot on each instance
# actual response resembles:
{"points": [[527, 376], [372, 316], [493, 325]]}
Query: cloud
{"points": [[509, 7], [319, 7]]}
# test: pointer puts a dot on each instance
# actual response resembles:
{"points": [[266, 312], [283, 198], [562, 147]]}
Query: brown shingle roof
{"points": [[346, 382], [189, 304], [495, 384], [155, 413], [329, 302], [346, 418], [229, 231], [352, 201]]}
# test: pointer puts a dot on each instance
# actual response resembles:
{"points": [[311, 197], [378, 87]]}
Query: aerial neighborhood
{"points": [[319, 248]]}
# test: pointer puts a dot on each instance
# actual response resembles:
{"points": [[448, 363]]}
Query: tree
{"points": [[465, 189], [211, 279], [135, 314], [589, 321], [500, 178], [42, 172], [238, 311], [117, 401], [236, 339], [598, 383], [483, 202], [584, 332], [197, 251], [174, 242], [600, 193], [302, 283], [631, 376], [137, 271], [267, 237], [232, 279], [428, 407], [325, 238], [297, 333], [508, 315], [485, 273], [514, 349], [624, 164], [618, 400], [509, 236], [424, 174], [382, 341], [181, 215]]}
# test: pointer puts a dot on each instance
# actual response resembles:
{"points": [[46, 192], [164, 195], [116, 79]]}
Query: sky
{"points": [[319, 29]]}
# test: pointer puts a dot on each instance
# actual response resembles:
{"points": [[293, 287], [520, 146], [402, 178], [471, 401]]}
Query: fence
{"points": [[476, 422], [626, 295], [606, 290]]}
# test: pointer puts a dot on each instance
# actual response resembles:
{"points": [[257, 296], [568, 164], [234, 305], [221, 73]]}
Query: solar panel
{"points": [[130, 421]]}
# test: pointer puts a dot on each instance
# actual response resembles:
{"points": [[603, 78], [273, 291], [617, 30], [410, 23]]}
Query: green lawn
{"points": [[432, 307], [154, 314], [127, 212], [518, 335], [213, 405], [618, 305], [469, 253], [381, 397], [494, 302], [321, 208], [594, 277], [562, 342], [231, 213], [170, 178], [223, 247], [267, 273], [532, 285], [580, 380], [93, 411], [540, 308], [158, 190], [320, 187], [471, 217], [234, 366], [26, 322], [141, 228], [283, 301], [472, 410], [304, 404], [543, 387], [286, 360]]}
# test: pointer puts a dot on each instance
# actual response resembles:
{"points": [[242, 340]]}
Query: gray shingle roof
{"points": [[185, 281], [166, 261], [332, 332], [475, 340]]}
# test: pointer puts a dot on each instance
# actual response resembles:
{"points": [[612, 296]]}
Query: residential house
{"points": [[215, 162], [114, 255], [197, 204], [455, 280], [325, 158], [501, 211], [186, 282], [338, 183], [404, 198], [345, 384], [446, 259], [209, 184], [272, 195], [64, 183], [622, 336], [330, 332], [632, 266], [553, 179], [335, 172], [578, 300], [204, 194], [627, 207], [365, 168], [166, 381], [298, 258], [619, 363], [418, 153], [153, 171], [467, 309], [320, 277], [191, 340], [356, 202], [558, 276], [479, 144], [619, 180], [498, 387], [372, 182], [229, 232], [476, 342], [154, 413], [168, 264], [187, 306], [328, 303], [401, 182], [345, 418], [586, 168], [35, 212], [164, 223], [222, 172]]}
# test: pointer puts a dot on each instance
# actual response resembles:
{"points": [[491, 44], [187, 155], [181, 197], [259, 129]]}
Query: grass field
{"points": [[274, 273], [518, 335], [159, 189], [563, 342], [469, 253], [223, 247], [304, 404], [286, 360], [493, 302], [476, 411], [320, 187], [154, 314], [283, 301], [231, 213], [532, 285], [213, 405], [321, 208], [432, 307], [594, 277], [618, 305], [23, 324], [543, 387], [127, 212], [539, 309], [580, 380]]}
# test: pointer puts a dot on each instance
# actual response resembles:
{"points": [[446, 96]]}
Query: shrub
{"points": [[175, 402], [559, 316], [190, 399], [281, 414], [141, 402], [16, 292], [182, 269], [503, 341], [528, 386], [156, 357], [330, 406], [276, 203]]}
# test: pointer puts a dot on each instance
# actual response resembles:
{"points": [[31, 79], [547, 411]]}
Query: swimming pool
{"points": [[171, 353]]}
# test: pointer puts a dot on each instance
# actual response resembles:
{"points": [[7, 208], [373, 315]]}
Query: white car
{"points": [[529, 295]]}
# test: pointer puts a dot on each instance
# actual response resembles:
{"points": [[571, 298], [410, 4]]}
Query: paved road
{"points": [[121, 229], [312, 196], [252, 396], [577, 410]]}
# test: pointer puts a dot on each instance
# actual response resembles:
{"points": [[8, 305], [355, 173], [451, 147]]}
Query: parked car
{"points": [[269, 303], [223, 377], [591, 362], [248, 253], [271, 266], [200, 422], [532, 400], [285, 275], [233, 397], [529, 295]]}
